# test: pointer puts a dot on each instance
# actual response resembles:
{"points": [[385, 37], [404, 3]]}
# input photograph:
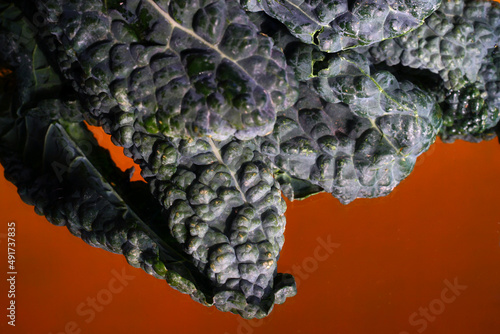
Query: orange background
{"points": [[392, 257]]}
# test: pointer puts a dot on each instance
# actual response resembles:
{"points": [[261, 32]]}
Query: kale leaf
{"points": [[219, 234], [347, 152], [177, 68], [340, 24], [458, 44], [452, 42], [472, 112], [225, 110]]}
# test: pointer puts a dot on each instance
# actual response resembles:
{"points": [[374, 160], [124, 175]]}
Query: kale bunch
{"points": [[227, 106]]}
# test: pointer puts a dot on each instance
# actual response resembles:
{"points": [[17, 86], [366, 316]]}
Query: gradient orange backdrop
{"points": [[389, 258]]}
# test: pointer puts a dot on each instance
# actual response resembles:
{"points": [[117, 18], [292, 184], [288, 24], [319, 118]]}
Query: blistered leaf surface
{"points": [[177, 68], [340, 24]]}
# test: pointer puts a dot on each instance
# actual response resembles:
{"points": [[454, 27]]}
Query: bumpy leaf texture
{"points": [[459, 44], [452, 42], [352, 133], [225, 209], [59, 168], [178, 68], [219, 235], [471, 113], [340, 24]]}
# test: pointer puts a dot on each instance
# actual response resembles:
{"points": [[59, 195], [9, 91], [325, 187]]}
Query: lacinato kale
{"points": [[458, 42], [348, 152], [59, 168], [224, 208], [337, 25], [172, 68], [227, 106], [219, 232], [472, 112], [452, 42], [355, 131]]}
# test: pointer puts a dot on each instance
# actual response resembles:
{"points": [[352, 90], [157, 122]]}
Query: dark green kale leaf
{"points": [[452, 42], [19, 50], [337, 25], [458, 44], [59, 168], [304, 59], [353, 133], [176, 68], [219, 234], [472, 112], [224, 208]]}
